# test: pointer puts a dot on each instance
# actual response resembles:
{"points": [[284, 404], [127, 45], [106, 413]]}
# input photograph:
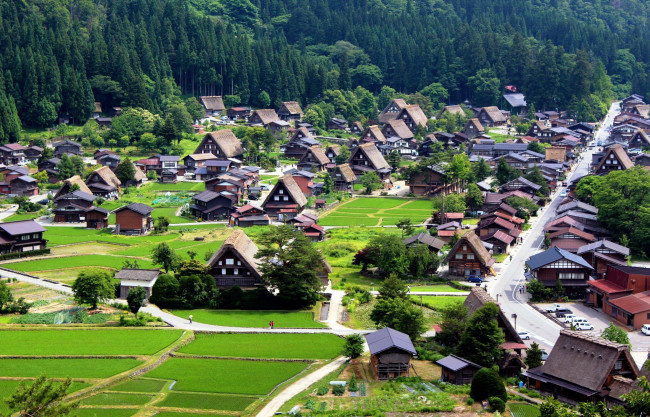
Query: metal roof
{"points": [[22, 227], [456, 363], [552, 255], [387, 338]]}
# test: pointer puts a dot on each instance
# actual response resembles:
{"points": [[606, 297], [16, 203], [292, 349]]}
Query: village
{"points": [[455, 260]]}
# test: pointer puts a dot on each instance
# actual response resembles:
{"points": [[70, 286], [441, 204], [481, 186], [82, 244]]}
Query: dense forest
{"points": [[60, 56]]}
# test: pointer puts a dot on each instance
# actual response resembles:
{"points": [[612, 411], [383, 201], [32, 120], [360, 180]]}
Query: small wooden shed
{"points": [[131, 278], [390, 353], [456, 370]]}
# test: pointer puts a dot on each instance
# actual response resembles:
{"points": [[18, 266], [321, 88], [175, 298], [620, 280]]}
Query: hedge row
{"points": [[17, 255]]}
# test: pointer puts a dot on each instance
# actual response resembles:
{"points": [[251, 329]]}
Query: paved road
{"points": [[511, 276]]}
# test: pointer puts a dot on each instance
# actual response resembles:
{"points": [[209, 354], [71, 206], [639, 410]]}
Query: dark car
{"points": [[562, 312], [475, 278]]}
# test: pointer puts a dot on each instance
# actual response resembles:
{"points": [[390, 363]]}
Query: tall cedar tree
{"points": [[481, 341], [291, 264], [125, 171]]}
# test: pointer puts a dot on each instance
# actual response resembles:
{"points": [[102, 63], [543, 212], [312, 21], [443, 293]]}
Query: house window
{"points": [[276, 198], [230, 261], [223, 271], [286, 198], [281, 191], [470, 256], [618, 365], [459, 256], [235, 271]]}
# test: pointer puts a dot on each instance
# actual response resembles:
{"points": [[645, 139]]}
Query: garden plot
{"points": [[275, 346], [437, 302], [523, 410], [377, 212]]}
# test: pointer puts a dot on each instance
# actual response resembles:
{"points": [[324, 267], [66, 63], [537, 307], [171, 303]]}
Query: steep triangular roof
{"points": [[346, 173], [317, 155], [292, 107], [619, 153], [241, 244], [454, 109], [385, 115], [107, 176], [373, 155], [398, 128], [292, 188], [494, 113], [229, 144], [415, 112], [473, 241], [373, 132], [213, 103], [387, 338], [69, 182], [266, 115]]}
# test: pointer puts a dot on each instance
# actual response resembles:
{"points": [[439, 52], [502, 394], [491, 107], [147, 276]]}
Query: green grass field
{"points": [[106, 261], [179, 186], [85, 341], [18, 217], [275, 346], [523, 410], [67, 235], [170, 213], [140, 385], [252, 318], [206, 401], [105, 412], [65, 368], [437, 302], [377, 211], [374, 203], [435, 288], [117, 399], [226, 376], [172, 414]]}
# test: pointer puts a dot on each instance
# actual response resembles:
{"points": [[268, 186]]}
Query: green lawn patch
{"points": [[276, 346], [419, 204], [85, 341], [170, 213], [106, 261], [252, 318], [523, 410], [179, 186], [376, 203], [104, 412], [106, 398], [526, 226], [206, 401], [24, 216], [348, 220], [173, 414], [437, 302], [435, 288], [193, 227], [225, 375], [65, 368], [140, 385]]}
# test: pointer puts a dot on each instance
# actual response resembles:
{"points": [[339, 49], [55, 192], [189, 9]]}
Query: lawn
{"points": [[206, 401], [523, 410], [179, 186], [170, 213], [252, 318], [24, 216], [225, 375], [107, 261], [117, 399], [377, 211], [331, 220], [85, 341], [375, 203], [141, 385], [276, 346], [437, 302], [65, 368], [435, 288]]}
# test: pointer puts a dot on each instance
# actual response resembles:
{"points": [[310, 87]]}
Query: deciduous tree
{"points": [[482, 339], [92, 286], [135, 299]]}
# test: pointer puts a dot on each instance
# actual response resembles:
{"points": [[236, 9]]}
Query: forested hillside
{"points": [[60, 56]]}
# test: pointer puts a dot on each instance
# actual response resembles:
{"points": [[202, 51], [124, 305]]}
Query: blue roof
{"points": [[552, 255]]}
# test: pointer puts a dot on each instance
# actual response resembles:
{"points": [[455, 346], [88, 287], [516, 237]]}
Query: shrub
{"points": [[353, 387], [470, 401], [362, 389], [132, 321], [323, 390], [497, 404], [487, 383], [338, 390], [310, 405]]}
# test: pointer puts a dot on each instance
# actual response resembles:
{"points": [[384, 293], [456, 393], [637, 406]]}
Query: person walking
{"points": [[408, 289], [272, 324], [191, 319]]}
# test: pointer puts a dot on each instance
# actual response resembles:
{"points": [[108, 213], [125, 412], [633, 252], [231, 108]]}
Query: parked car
{"points": [[646, 329], [568, 318], [562, 312], [576, 320], [553, 308], [544, 355], [475, 278], [524, 335], [584, 326], [563, 193]]}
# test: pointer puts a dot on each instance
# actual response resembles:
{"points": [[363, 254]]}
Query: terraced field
{"points": [[377, 212]]}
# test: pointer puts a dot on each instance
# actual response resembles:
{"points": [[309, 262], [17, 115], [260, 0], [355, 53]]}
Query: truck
{"points": [[553, 308]]}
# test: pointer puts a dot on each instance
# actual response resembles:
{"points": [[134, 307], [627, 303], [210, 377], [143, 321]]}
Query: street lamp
{"points": [[514, 316]]}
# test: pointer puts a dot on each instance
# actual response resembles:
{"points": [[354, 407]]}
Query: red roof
{"points": [[446, 233], [513, 345], [319, 201], [633, 304], [455, 215], [149, 161], [288, 211], [607, 286], [245, 208], [437, 328]]}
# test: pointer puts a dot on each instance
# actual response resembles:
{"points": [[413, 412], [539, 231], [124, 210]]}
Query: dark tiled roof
{"points": [[139, 208], [552, 255], [387, 338], [22, 227], [147, 275], [456, 363]]}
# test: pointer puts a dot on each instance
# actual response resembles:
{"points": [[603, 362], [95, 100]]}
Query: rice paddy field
{"points": [[252, 318], [377, 212]]}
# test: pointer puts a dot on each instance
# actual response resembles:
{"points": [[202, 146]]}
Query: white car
{"points": [[646, 329], [563, 193], [553, 308], [524, 335], [569, 318], [583, 326]]}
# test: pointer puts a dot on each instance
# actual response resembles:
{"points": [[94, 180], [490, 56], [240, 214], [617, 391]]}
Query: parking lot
{"points": [[600, 321]]}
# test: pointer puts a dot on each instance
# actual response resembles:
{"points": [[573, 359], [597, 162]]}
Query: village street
{"points": [[506, 286]]}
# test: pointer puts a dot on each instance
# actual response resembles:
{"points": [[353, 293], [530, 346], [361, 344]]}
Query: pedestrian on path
{"points": [[272, 324], [408, 289], [191, 319]]}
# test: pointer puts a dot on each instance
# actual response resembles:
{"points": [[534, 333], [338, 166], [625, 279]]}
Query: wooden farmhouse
{"points": [[285, 201], [133, 219], [21, 236], [392, 110], [344, 177], [263, 117], [639, 140], [299, 143], [66, 146], [456, 370], [615, 159], [373, 134], [67, 185], [491, 116], [12, 153], [71, 207], [452, 110], [290, 111], [413, 117], [223, 144], [313, 160], [248, 215], [603, 253], [469, 257], [208, 205], [432, 181], [390, 353], [235, 263], [558, 264], [366, 158], [213, 105], [104, 183], [132, 278], [583, 368], [473, 128]]}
